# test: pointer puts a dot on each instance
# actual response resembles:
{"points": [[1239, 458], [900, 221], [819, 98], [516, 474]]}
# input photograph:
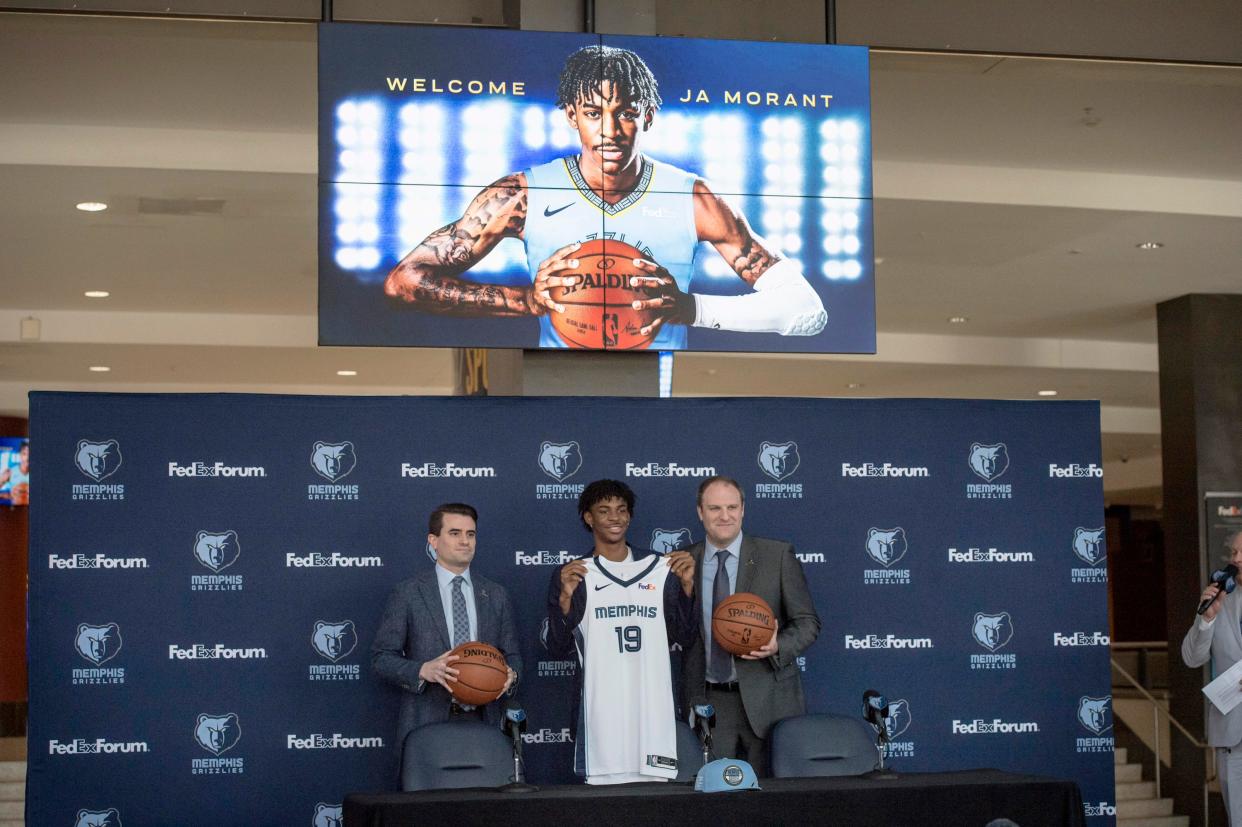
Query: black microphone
{"points": [[513, 724], [1225, 583], [875, 710]]}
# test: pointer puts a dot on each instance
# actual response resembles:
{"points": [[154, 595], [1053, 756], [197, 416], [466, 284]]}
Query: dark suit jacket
{"points": [[771, 688], [413, 631]]}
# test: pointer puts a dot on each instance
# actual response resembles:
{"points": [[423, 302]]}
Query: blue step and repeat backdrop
{"points": [[207, 574]]}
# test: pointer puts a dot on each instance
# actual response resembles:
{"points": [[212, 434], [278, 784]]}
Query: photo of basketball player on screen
{"points": [[637, 219]]}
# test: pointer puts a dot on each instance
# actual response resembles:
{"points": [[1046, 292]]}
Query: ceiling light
{"points": [[879, 259], [97, 294], [1150, 245], [958, 319], [100, 368], [854, 385], [347, 373], [1047, 393], [92, 206]]}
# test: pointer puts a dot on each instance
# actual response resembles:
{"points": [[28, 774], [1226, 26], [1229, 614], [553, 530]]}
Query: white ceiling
{"points": [[998, 197]]}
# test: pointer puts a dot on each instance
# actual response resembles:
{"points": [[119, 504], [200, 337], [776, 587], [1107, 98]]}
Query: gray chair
{"points": [[689, 752], [808, 746], [455, 754]]}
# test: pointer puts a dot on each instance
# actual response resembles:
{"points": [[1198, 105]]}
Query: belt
{"points": [[457, 709], [731, 686]]}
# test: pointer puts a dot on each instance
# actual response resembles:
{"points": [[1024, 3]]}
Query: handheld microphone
{"points": [[1225, 582]]}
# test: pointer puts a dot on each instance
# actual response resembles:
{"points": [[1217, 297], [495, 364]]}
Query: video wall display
{"points": [[14, 471], [500, 188]]}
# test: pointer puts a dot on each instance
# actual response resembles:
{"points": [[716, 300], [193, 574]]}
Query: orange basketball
{"points": [[742, 623], [598, 312], [481, 673]]}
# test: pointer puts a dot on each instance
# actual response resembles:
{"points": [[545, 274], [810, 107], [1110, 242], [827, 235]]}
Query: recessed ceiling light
{"points": [[92, 206], [347, 373], [1047, 393], [97, 294], [100, 368], [1149, 245], [854, 385], [958, 319]]}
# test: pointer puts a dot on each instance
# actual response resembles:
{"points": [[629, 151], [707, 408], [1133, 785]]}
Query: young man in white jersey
{"points": [[610, 98], [618, 608]]}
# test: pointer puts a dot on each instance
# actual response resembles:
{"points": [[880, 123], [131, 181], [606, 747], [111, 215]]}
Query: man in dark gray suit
{"points": [[752, 692], [430, 614]]}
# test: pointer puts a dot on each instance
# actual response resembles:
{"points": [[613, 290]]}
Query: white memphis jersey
{"points": [[657, 217], [626, 725]]}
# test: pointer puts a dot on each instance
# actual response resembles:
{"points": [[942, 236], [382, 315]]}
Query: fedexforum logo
{"points": [[779, 460], [334, 741], [335, 560], [896, 724], [547, 736], [98, 645], [98, 818], [1096, 716], [1088, 545], [98, 460], [560, 461], [992, 632], [430, 470], [215, 469], [1080, 639], [99, 746], [671, 469], [217, 734], [95, 561], [542, 558], [218, 651], [988, 462], [1075, 470], [334, 641], [333, 461], [887, 642], [990, 555], [886, 546], [665, 540], [216, 550], [883, 470], [993, 727], [1103, 808]]}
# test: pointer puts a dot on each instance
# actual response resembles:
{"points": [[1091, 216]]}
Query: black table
{"points": [[970, 798]]}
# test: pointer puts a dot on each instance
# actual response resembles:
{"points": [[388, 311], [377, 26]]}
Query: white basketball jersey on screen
{"points": [[626, 726], [657, 218]]}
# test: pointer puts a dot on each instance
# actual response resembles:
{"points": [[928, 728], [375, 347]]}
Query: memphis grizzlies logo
{"points": [[886, 545], [334, 640], [98, 460], [1096, 714], [989, 461], [333, 460], [217, 550], [1089, 545], [898, 720], [328, 815], [98, 818], [993, 631], [98, 644], [560, 460], [431, 552], [664, 541], [217, 733], [779, 460]]}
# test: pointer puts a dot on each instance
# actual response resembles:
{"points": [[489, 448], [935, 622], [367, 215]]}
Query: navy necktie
{"points": [[461, 620], [719, 662]]}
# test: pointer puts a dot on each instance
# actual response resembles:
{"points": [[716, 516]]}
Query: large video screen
{"points": [[499, 188]]}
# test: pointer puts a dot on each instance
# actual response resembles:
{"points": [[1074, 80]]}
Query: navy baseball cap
{"points": [[726, 775]]}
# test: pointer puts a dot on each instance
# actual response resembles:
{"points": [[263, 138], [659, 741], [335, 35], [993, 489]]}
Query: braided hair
{"points": [[587, 69]]}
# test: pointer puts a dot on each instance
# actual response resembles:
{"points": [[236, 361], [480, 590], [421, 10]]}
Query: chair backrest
{"points": [[820, 745], [455, 754], [689, 752]]}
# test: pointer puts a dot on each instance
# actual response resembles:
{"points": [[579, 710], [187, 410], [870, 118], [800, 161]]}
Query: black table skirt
{"points": [[970, 798]]}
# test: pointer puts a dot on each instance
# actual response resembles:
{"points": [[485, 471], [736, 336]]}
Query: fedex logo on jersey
{"points": [[1088, 546], [98, 645], [98, 818], [886, 546], [560, 461], [334, 641], [664, 540], [671, 469], [333, 461], [1096, 716], [1075, 471], [988, 462], [217, 734], [216, 551], [98, 461], [895, 725], [779, 460], [992, 632]]}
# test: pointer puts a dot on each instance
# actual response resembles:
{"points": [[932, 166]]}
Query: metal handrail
{"points": [[1160, 710]]}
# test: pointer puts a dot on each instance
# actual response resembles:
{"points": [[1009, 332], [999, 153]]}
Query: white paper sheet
{"points": [[1226, 691]]}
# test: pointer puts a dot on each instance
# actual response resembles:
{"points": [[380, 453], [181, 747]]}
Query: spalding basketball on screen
{"points": [[481, 673], [598, 309], [742, 623]]}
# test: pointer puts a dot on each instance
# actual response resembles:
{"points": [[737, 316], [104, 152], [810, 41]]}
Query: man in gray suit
{"points": [[1216, 635], [430, 614], [752, 692]]}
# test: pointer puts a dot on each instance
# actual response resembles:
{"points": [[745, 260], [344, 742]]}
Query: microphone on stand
{"points": [[1225, 584], [513, 724], [875, 712], [703, 717]]}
